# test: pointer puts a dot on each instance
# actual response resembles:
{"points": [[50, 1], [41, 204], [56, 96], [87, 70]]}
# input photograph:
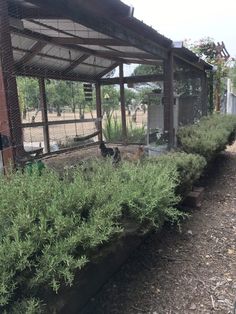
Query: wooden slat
{"points": [[49, 40], [75, 63], [122, 103], [89, 41], [56, 122], [37, 47], [133, 79], [44, 72], [43, 103]]}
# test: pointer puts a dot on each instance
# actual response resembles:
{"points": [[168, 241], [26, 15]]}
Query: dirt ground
{"points": [[62, 161], [192, 271]]}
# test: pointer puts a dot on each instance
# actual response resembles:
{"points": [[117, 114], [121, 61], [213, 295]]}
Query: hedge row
{"points": [[49, 227], [209, 136]]}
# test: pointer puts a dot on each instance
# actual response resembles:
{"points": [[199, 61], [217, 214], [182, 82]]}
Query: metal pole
{"points": [[43, 106]]}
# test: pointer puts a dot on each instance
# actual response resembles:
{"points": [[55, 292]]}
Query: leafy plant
{"points": [[209, 136], [50, 228], [189, 168]]}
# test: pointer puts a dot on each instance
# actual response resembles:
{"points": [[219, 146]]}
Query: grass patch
{"points": [[113, 131]]}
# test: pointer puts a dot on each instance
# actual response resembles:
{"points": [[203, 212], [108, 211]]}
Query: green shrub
{"points": [[209, 136], [49, 227], [189, 168]]}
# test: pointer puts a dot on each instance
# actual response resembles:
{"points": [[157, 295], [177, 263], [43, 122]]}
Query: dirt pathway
{"points": [[189, 272]]}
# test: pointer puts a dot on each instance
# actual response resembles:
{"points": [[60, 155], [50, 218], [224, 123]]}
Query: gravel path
{"points": [[193, 271]]}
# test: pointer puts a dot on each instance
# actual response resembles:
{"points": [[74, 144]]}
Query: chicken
{"points": [[116, 157], [106, 151], [137, 156]]}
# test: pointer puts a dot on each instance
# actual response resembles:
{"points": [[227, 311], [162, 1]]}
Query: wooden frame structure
{"points": [[79, 41]]}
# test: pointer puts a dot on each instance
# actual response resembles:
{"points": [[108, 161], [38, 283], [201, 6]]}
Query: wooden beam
{"points": [[204, 94], [76, 62], [99, 109], [89, 41], [37, 47], [196, 65], [49, 40], [22, 12], [51, 74], [73, 11], [122, 103], [133, 79], [10, 117], [107, 70], [169, 99], [43, 105], [143, 61], [56, 122]]}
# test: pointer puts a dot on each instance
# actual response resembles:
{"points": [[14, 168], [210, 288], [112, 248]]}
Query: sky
{"points": [[190, 20]]}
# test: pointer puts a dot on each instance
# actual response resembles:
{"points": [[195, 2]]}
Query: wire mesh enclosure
{"points": [[60, 56]]}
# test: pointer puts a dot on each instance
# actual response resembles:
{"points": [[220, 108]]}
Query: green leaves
{"points": [[209, 136], [49, 228]]}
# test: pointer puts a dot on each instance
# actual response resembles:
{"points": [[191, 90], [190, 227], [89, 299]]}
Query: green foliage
{"points": [[28, 90], [144, 69], [59, 94], [209, 136], [27, 306], [232, 75], [189, 168], [149, 195], [130, 95], [206, 49], [50, 227], [113, 131], [111, 103]]}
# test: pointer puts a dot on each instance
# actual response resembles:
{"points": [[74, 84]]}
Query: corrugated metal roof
{"points": [[67, 45]]}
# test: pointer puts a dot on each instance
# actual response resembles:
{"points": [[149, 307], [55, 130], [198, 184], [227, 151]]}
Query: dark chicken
{"points": [[106, 151], [116, 157]]}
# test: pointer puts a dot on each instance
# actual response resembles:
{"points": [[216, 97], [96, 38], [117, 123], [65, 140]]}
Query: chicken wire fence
{"points": [[40, 48]]}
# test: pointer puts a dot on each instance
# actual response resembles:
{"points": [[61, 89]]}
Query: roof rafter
{"points": [[38, 72], [108, 70], [76, 62], [49, 40], [90, 41], [37, 47]]}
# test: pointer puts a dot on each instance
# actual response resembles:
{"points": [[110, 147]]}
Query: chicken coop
{"points": [[80, 43]]}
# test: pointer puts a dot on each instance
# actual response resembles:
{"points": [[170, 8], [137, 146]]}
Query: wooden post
{"points": [[43, 106], [10, 117], [217, 95], [99, 110], [204, 98], [169, 99], [122, 102]]}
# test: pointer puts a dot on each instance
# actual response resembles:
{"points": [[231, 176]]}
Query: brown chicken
{"points": [[136, 156]]}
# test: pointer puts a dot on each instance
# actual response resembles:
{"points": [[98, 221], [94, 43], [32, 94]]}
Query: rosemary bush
{"points": [[49, 228], [209, 136], [189, 168]]}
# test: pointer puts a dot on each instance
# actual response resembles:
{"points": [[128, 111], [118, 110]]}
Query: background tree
{"points": [[206, 49]]}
